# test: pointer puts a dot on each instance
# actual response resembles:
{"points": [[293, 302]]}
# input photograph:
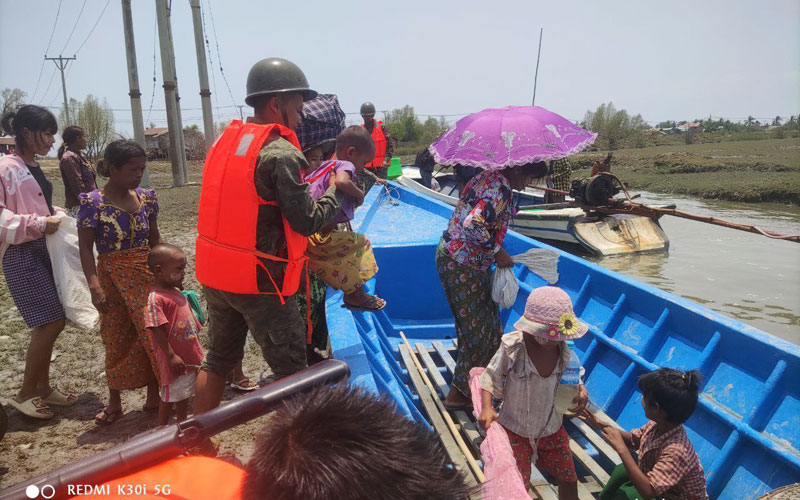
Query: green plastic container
{"points": [[395, 169]]}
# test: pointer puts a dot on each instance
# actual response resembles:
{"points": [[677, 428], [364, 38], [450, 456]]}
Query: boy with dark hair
{"points": [[345, 443], [343, 259], [668, 467]]}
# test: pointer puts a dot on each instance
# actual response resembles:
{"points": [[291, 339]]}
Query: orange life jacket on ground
{"points": [[380, 145], [193, 477], [225, 255]]}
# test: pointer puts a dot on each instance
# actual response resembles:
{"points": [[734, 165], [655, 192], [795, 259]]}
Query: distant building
{"points": [[686, 127], [156, 141], [7, 145]]}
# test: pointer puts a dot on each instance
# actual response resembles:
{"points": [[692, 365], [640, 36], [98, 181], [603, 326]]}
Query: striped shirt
{"points": [[670, 462]]}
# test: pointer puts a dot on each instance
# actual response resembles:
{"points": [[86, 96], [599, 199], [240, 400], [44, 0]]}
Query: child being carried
{"points": [[343, 259], [174, 329]]}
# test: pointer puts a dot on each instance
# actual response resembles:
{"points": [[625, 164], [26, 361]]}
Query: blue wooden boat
{"points": [[746, 428]]}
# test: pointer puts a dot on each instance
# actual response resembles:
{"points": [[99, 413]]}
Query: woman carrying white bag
{"points": [[26, 215]]}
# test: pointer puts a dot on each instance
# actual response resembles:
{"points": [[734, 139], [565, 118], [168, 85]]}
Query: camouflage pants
{"points": [[278, 329]]}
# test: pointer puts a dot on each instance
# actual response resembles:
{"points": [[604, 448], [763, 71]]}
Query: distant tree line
{"points": [[409, 132]]}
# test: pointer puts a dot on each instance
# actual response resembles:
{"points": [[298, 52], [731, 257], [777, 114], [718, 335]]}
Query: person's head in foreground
{"points": [[669, 396], [354, 144], [342, 442]]}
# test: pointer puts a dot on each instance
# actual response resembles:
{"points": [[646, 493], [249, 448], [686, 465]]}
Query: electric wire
{"points": [[41, 70]]}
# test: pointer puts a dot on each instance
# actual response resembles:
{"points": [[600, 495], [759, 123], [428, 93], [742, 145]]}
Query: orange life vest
{"points": [[225, 256], [380, 145], [193, 477]]}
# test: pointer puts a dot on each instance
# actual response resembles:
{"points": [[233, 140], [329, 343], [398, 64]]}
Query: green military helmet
{"points": [[275, 75], [367, 109]]}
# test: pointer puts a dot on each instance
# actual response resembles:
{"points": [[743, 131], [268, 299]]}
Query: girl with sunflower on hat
{"points": [[525, 373]]}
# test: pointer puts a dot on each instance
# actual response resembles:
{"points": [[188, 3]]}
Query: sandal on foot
{"points": [[106, 417], [58, 398], [151, 408], [244, 384], [33, 407], [373, 304]]}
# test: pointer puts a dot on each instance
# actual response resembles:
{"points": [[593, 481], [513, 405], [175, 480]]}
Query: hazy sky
{"points": [[668, 60]]}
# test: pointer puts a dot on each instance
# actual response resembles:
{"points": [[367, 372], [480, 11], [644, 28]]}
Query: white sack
{"points": [[73, 291], [504, 287]]}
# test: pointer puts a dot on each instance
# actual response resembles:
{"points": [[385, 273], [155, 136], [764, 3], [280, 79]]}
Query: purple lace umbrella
{"points": [[510, 136]]}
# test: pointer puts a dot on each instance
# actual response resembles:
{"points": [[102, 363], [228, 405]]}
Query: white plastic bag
{"points": [[540, 261], [504, 287], [68, 274]]}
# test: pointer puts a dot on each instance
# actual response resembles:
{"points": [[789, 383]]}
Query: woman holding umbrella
{"points": [[511, 144]]}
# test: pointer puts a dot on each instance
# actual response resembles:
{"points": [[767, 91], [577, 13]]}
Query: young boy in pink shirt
{"points": [[175, 330]]}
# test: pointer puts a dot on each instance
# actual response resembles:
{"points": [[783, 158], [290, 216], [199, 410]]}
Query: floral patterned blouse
{"points": [[479, 223], [115, 228]]}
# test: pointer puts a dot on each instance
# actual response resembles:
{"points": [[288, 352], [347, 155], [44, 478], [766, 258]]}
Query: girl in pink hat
{"points": [[525, 373]]}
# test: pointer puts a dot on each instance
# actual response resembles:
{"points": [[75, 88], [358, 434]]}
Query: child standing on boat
{"points": [[175, 330], [525, 373], [344, 259], [668, 465]]}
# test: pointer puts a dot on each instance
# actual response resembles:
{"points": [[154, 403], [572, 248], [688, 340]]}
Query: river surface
{"points": [[746, 276]]}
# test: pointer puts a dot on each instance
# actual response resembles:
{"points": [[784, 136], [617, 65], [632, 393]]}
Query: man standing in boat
{"points": [[253, 175], [383, 144]]}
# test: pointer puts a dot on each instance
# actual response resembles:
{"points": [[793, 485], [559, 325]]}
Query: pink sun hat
{"points": [[549, 315]]}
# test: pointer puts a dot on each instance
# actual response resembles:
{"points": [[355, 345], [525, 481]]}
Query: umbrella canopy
{"points": [[323, 120], [510, 136]]}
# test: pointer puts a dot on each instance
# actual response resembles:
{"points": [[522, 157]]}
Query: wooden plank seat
{"points": [[441, 357]]}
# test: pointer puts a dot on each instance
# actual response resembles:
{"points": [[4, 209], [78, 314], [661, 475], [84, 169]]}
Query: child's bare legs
{"points": [[567, 491], [164, 412], [182, 409], [152, 400], [362, 299]]}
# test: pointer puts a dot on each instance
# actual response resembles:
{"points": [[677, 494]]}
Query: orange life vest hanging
{"points": [[226, 257], [380, 145], [192, 477]]}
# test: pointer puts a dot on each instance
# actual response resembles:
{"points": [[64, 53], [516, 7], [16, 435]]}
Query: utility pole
{"points": [[61, 64], [536, 76], [133, 83], [241, 115], [177, 154], [202, 71]]}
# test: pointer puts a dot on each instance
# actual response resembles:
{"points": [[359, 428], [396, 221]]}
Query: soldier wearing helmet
{"points": [[254, 174], [383, 144]]}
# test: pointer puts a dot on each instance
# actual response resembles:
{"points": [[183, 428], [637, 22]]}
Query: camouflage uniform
{"points": [[278, 328]]}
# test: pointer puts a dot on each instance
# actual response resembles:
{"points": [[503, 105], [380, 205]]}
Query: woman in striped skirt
{"points": [[26, 215]]}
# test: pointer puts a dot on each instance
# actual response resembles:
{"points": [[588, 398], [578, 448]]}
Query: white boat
{"points": [[596, 233]]}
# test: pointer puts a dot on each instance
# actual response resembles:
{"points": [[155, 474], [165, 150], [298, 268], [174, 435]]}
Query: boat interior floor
{"points": [[462, 436]]}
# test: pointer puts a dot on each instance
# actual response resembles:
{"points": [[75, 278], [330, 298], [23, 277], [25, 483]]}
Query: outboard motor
{"points": [[594, 191]]}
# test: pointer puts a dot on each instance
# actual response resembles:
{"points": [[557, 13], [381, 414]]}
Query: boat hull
{"points": [[745, 429]]}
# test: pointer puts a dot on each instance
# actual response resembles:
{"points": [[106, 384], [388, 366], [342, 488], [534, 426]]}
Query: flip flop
{"points": [[244, 384], [33, 407], [150, 408], [108, 417], [58, 398], [374, 304]]}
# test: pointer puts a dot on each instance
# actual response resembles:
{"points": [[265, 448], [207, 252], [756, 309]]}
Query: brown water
{"points": [[746, 276]]}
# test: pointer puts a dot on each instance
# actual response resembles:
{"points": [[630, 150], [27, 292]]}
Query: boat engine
{"points": [[594, 191]]}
